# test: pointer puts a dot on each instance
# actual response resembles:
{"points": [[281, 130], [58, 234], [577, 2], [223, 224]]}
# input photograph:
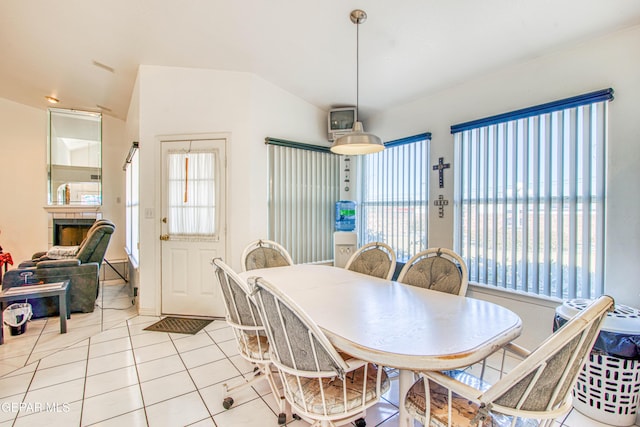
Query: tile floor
{"points": [[108, 371]]}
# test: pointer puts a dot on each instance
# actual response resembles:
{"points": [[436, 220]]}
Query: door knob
{"points": [[164, 237], [164, 219]]}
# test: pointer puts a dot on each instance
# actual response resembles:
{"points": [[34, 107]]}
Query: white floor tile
{"points": [[154, 352], [62, 416], [214, 395], [110, 362], [213, 373], [167, 387], [244, 366], [108, 347], [15, 384], [60, 394], [193, 342], [158, 368], [208, 422], [30, 368], [110, 381], [182, 410], [222, 335], [58, 374], [63, 357], [216, 324], [149, 338], [253, 413], [202, 356], [109, 405], [577, 419], [111, 334], [135, 418], [229, 348], [10, 407]]}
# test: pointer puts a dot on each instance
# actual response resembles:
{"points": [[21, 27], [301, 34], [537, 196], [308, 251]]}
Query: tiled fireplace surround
{"points": [[69, 213]]}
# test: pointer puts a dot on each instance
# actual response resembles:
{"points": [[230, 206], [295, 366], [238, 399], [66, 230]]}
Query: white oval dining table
{"points": [[393, 324]]}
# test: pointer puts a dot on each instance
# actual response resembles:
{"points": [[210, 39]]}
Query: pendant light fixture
{"points": [[357, 141]]}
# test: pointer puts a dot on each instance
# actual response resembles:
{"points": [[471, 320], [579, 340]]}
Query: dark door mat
{"points": [[179, 325]]}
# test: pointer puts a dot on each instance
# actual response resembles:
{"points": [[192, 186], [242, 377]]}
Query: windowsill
{"points": [[544, 301]]}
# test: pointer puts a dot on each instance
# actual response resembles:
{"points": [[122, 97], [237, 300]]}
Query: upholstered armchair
{"points": [[80, 266], [92, 248]]}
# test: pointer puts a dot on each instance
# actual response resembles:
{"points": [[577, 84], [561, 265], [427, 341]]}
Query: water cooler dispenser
{"points": [[345, 239]]}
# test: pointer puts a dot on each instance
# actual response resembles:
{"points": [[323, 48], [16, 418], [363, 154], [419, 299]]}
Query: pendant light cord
{"points": [[357, 69]]}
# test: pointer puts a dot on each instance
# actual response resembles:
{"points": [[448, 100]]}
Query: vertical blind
{"points": [[530, 197], [303, 189], [394, 196]]}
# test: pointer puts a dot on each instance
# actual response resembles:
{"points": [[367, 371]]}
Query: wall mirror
{"points": [[74, 158]]}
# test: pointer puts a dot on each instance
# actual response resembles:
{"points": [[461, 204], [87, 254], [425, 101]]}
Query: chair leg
{"points": [[258, 372], [256, 376], [283, 405]]}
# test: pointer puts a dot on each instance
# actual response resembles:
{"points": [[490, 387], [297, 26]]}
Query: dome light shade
{"points": [[357, 142]]}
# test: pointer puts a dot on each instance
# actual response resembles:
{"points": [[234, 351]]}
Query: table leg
{"points": [[405, 381], [63, 312]]}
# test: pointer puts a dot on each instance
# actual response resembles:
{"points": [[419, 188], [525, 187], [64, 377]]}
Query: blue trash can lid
{"points": [[623, 319]]}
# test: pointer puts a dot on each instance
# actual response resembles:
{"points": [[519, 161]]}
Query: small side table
{"points": [[20, 293]]}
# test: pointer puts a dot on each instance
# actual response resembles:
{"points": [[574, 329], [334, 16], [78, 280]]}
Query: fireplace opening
{"points": [[70, 232]]}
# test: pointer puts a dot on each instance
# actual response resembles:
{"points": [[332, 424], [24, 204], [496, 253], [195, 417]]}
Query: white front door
{"points": [[193, 225]]}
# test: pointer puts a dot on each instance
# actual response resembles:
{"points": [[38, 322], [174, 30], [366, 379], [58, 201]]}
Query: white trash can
{"points": [[16, 317], [608, 387]]}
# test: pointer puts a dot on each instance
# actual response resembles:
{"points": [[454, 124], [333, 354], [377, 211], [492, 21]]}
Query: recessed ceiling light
{"points": [[52, 100]]}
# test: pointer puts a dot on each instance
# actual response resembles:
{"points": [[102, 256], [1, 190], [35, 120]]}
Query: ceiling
{"points": [[86, 53]]}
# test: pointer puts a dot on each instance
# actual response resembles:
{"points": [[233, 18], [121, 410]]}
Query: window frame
{"points": [[391, 228], [579, 147]]}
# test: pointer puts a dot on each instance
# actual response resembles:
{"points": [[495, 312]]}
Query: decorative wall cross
{"points": [[440, 167], [441, 203]]}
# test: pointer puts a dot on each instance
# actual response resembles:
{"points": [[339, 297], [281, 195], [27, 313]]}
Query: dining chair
{"points": [[325, 387], [439, 269], [538, 388], [374, 259], [243, 317], [264, 254]]}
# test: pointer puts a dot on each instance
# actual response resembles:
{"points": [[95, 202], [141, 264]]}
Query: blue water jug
{"points": [[345, 215]]}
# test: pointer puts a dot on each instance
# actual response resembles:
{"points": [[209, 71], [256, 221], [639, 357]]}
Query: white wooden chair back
{"points": [[374, 259], [544, 380], [318, 383], [538, 388], [439, 269], [264, 254], [242, 314]]}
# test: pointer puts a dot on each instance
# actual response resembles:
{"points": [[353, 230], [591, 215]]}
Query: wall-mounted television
{"points": [[341, 121]]}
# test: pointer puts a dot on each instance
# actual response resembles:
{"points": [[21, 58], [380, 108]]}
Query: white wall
{"points": [[612, 61], [23, 174], [182, 101]]}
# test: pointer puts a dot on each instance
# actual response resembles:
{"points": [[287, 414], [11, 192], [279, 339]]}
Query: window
{"points": [[132, 167], [395, 195], [529, 197], [191, 193], [303, 189]]}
